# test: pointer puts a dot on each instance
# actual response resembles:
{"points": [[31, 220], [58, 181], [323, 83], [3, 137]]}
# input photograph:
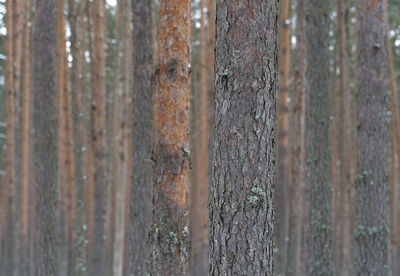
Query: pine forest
{"points": [[199, 137]]}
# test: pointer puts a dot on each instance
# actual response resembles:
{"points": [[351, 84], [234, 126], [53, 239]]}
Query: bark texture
{"points": [[372, 183], [142, 134], [319, 217], [170, 229], [246, 82], [45, 122], [298, 146]]}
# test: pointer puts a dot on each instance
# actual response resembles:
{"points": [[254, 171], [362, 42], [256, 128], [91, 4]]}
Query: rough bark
{"points": [[142, 133], [283, 167], [170, 234], [26, 145], [97, 262], [297, 147], [372, 183], [199, 187], [45, 121], [246, 82], [319, 217]]}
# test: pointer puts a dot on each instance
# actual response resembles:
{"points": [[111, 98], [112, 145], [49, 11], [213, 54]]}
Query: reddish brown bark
{"points": [[171, 141]]}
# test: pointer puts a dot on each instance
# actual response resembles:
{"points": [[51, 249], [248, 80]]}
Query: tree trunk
{"points": [[395, 155], [199, 187], [97, 264], [142, 133], [78, 20], [246, 82], [26, 145], [343, 243], [297, 147], [45, 118], [319, 195], [170, 233], [371, 233], [121, 134], [283, 167]]}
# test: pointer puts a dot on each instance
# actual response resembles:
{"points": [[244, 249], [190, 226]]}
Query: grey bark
{"points": [[142, 97], [241, 195], [318, 157], [45, 123], [371, 233]]}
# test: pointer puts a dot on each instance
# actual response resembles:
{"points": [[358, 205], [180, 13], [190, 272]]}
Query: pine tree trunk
{"points": [[26, 145], [297, 147], [97, 262], [142, 133], [77, 20], [45, 118], [371, 233], [170, 233], [343, 243], [319, 195], [199, 187], [283, 167], [246, 82]]}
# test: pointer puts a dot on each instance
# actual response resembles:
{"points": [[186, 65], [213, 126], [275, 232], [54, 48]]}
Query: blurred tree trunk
{"points": [[199, 187], [97, 262], [283, 167], [45, 118], [26, 145], [142, 133], [121, 121], [170, 233], [395, 138], [319, 195], [297, 182], [343, 226], [246, 82], [78, 20], [371, 233], [89, 158]]}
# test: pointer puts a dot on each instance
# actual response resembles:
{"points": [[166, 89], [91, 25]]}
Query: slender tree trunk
{"points": [[246, 82], [319, 195], [298, 147], [343, 243], [121, 135], [395, 137], [97, 264], [26, 156], [77, 20], [7, 191], [45, 118], [89, 158], [170, 233], [142, 133], [199, 188], [283, 167], [371, 233]]}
